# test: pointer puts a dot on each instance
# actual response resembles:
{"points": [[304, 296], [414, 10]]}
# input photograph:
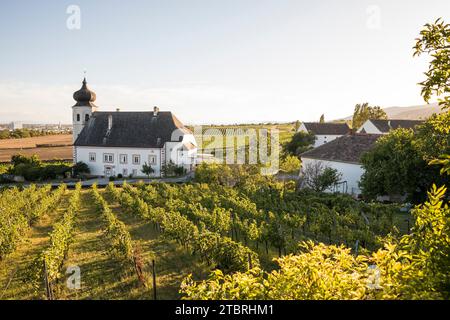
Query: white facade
{"points": [[109, 162], [114, 161], [351, 174], [320, 138], [369, 128]]}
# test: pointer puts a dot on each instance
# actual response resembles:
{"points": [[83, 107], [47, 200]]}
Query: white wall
{"points": [[181, 156], [322, 139], [98, 167], [302, 128], [350, 172], [369, 128]]}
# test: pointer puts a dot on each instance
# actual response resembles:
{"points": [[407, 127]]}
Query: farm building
{"points": [[324, 132], [344, 155], [384, 126], [113, 143]]}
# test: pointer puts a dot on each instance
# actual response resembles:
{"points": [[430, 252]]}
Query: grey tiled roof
{"points": [[348, 148], [387, 125], [327, 128], [130, 129]]}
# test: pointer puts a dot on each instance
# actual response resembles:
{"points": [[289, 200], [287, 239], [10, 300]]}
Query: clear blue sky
{"points": [[213, 61]]}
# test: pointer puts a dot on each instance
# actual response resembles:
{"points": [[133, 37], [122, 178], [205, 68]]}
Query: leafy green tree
{"points": [[21, 159], [290, 164], [147, 169], [398, 164], [322, 119], [213, 173], [434, 40], [300, 142], [364, 112], [80, 168]]}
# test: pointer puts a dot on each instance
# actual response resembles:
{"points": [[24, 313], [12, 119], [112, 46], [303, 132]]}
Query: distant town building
{"points": [[324, 132], [116, 142], [372, 126], [15, 125]]}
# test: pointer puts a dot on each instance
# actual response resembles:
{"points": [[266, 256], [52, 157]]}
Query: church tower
{"points": [[83, 108]]}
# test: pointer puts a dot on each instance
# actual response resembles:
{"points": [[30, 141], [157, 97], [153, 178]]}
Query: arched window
{"points": [[86, 118], [78, 117]]}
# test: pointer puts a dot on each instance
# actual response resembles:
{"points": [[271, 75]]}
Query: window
{"points": [[136, 159], [86, 118], [108, 157], [125, 172], [78, 117], [152, 159], [134, 172], [123, 159], [92, 156]]}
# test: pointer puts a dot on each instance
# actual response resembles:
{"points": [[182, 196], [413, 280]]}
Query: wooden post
{"points": [[356, 247], [154, 279], [250, 261], [47, 283]]}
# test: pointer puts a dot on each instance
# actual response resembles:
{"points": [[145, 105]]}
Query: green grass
{"points": [[13, 269], [103, 277]]}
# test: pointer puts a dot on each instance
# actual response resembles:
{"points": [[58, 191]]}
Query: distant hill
{"points": [[410, 113]]}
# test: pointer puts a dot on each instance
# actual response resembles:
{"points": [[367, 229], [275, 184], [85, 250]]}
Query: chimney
{"points": [[155, 111], [118, 110], [110, 122]]}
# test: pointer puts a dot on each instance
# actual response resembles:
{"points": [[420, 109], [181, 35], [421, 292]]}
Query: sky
{"points": [[210, 61]]}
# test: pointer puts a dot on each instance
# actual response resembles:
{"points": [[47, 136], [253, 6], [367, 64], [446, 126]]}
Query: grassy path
{"points": [[13, 275], [172, 262], [100, 275]]}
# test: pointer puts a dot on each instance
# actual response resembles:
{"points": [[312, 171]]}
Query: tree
{"points": [[290, 164], [213, 173], [364, 112], [434, 40], [318, 177], [398, 165], [80, 168], [322, 119], [21, 159], [300, 142], [296, 126], [147, 170]]}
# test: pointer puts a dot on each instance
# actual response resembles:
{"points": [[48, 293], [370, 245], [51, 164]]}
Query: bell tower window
{"points": [[78, 117], [86, 118]]}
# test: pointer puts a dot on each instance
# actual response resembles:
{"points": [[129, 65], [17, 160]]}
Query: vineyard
{"points": [[141, 241]]}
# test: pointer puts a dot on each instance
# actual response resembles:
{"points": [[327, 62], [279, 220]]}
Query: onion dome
{"points": [[84, 96]]}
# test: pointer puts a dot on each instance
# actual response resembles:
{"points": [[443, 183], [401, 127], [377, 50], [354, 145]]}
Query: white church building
{"points": [[117, 142]]}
